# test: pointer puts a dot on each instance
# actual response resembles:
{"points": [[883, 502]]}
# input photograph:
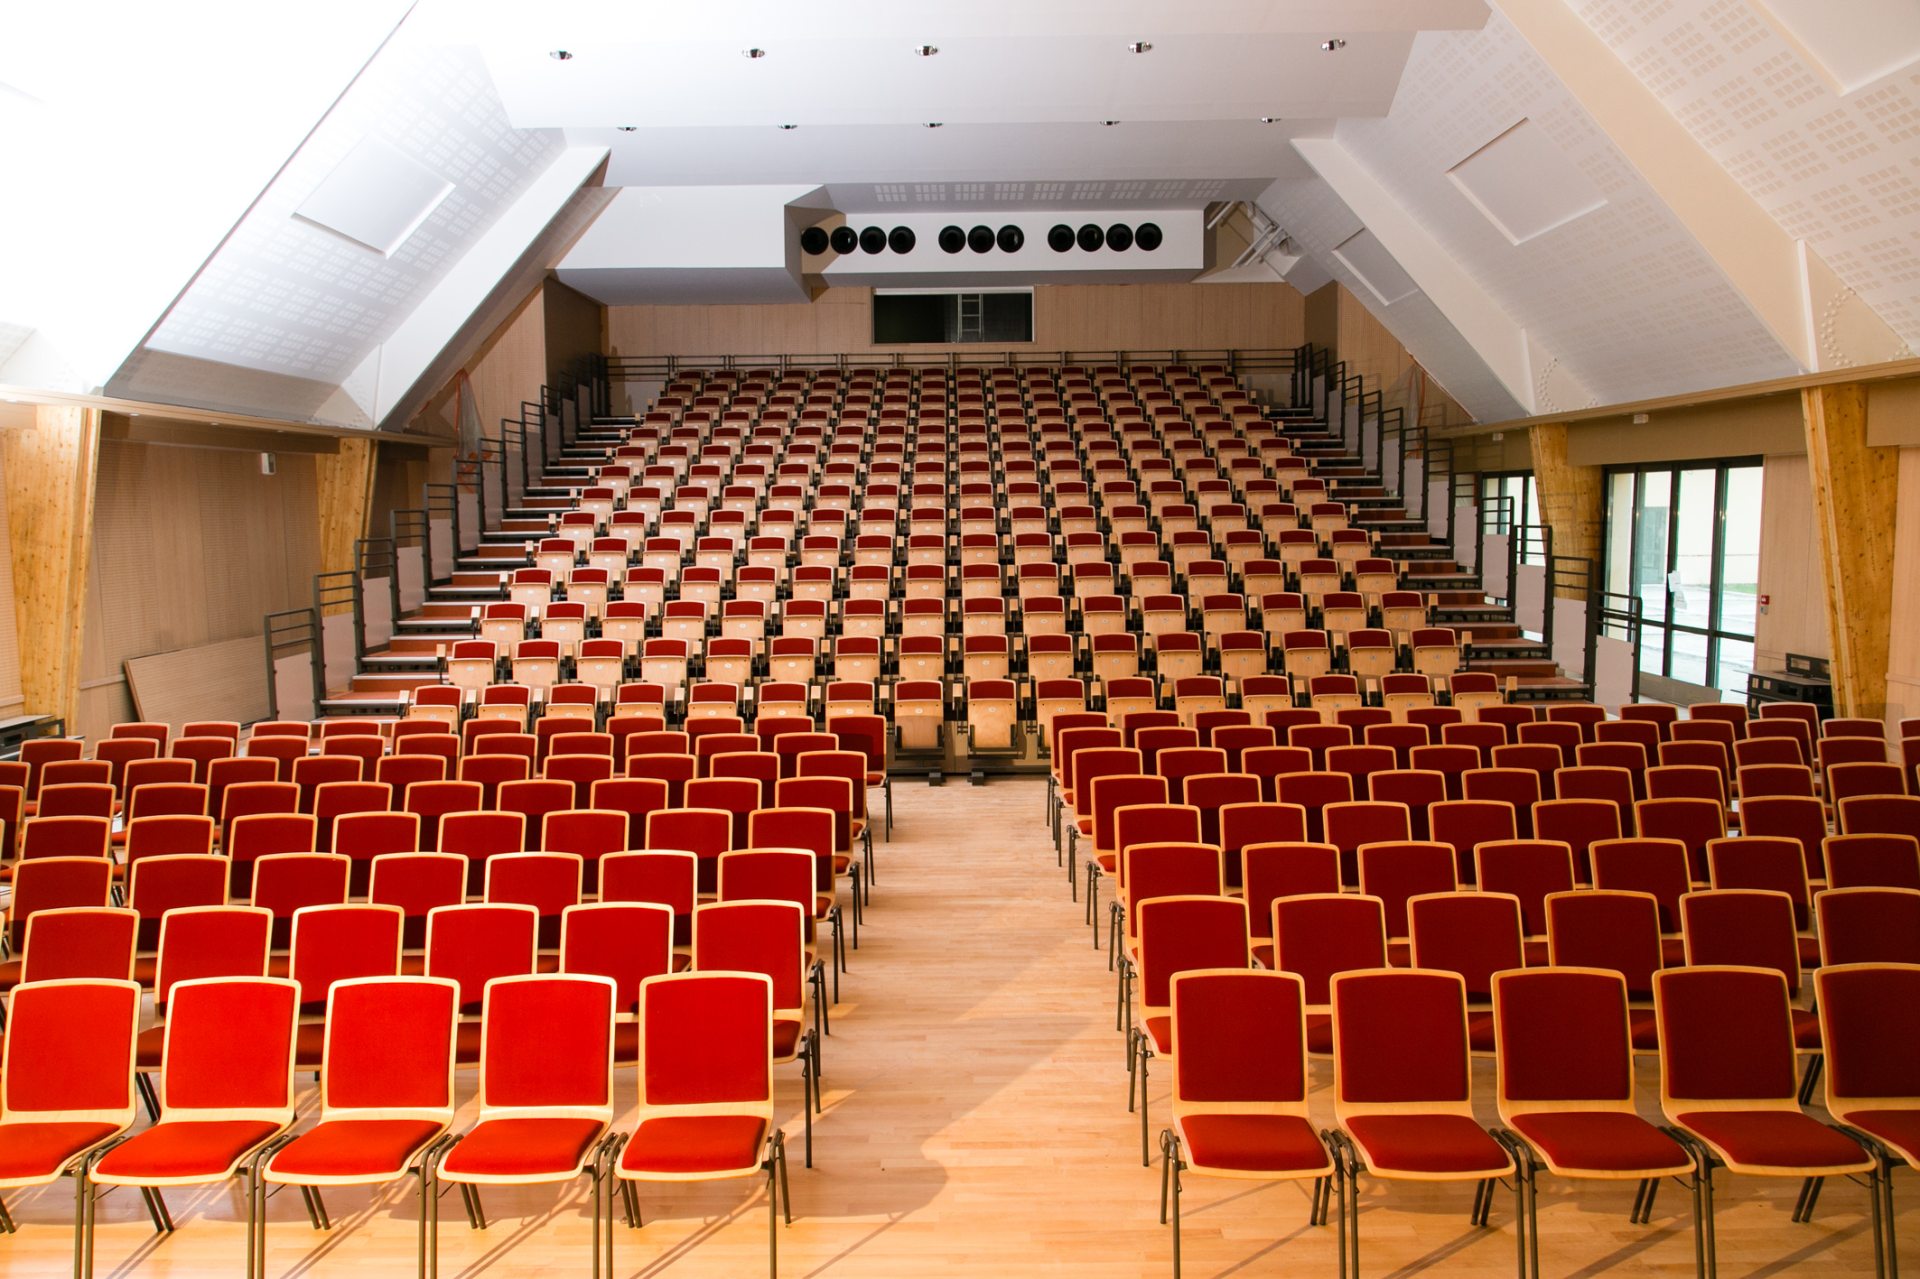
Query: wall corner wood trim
{"points": [[50, 470], [344, 496], [1571, 498], [1855, 497]]}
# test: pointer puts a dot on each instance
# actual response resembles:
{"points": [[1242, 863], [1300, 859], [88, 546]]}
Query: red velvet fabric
{"points": [[695, 1143], [1776, 1138], [1897, 1128], [1427, 1143], [355, 1147], [1254, 1143], [188, 1148], [1601, 1142], [41, 1150], [523, 1147]]}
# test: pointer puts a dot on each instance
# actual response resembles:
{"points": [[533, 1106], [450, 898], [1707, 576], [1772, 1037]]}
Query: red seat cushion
{"points": [[467, 1040], [29, 1150], [1320, 1034], [1774, 1139], [1899, 1129], [533, 1149], [786, 1039], [1602, 1142], [1107, 861], [1253, 1143], [1160, 1031], [679, 1144], [355, 1148], [309, 1045], [1806, 1030], [1480, 1036], [186, 1148], [1263, 954], [1427, 1143], [1645, 1028], [148, 1047]]}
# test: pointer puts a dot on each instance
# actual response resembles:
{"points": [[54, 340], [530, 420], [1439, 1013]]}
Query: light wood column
{"points": [[50, 469], [1855, 494], [344, 494], [1571, 497]]}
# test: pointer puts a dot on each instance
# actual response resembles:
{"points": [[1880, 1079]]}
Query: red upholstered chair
{"points": [[1617, 931], [67, 943], [1759, 781], [386, 1095], [591, 833], [1752, 928], [1647, 865], [625, 942], [1659, 714], [168, 835], [479, 836], [1314, 791], [1104, 793], [1579, 824], [1271, 763], [705, 832], [706, 1090], [1872, 1089], [546, 1089], [1800, 818], [417, 883], [1882, 813], [1158, 867], [1177, 934], [363, 836], [1519, 787], [1212, 792], [1466, 823], [769, 938], [471, 944], [1474, 934], [68, 1083], [1351, 826], [1872, 861], [1565, 1089], [1694, 821], [1417, 788], [548, 882], [1726, 1083], [664, 877], [283, 883], [1403, 1091], [1530, 871], [53, 883], [1633, 755], [1868, 925], [1771, 862], [1394, 872], [1240, 1087], [1451, 762], [226, 1097], [1317, 936], [74, 836]]}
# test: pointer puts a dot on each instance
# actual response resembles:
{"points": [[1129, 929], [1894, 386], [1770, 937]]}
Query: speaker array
{"points": [[984, 239]]}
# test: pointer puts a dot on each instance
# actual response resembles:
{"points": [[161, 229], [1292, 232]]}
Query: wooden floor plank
{"points": [[976, 1125]]}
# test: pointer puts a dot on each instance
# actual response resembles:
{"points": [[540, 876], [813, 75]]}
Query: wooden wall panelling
{"points": [[1855, 497], [50, 469], [343, 493], [227, 680], [11, 698], [1571, 502]]}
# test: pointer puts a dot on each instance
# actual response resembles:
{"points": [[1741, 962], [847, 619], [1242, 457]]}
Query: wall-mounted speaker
{"points": [[813, 240], [873, 240], [1060, 238], [1147, 236], [980, 239], [1011, 238], [1120, 237], [952, 239], [901, 239], [269, 464], [1091, 237], [844, 239]]}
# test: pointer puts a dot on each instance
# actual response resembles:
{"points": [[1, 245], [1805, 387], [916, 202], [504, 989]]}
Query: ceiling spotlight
{"points": [[789, 126], [560, 55], [1269, 119], [1334, 45], [755, 52], [626, 128], [926, 50], [933, 124], [1109, 123], [1139, 46]]}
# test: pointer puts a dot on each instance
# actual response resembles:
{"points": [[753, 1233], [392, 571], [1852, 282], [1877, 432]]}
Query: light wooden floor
{"points": [[976, 1124]]}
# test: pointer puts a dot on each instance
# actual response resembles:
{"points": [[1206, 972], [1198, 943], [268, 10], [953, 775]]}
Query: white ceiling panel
{"points": [[375, 196], [1857, 44], [1364, 255], [1525, 184]]}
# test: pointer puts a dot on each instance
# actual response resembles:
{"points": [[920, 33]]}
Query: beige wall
{"points": [[191, 546], [574, 328], [1066, 317]]}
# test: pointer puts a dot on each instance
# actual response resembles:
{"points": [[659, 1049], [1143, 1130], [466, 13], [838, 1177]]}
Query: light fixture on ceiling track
{"points": [[626, 128], [1140, 46], [1269, 119], [788, 126], [1333, 46], [560, 55], [934, 124], [1109, 123], [926, 50], [755, 52]]}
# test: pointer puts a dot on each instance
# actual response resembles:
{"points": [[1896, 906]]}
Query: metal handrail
{"points": [[1604, 618], [372, 557], [616, 368], [330, 591], [285, 632]]}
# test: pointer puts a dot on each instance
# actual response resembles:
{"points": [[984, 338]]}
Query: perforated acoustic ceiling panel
{"points": [[1841, 172], [285, 296], [1622, 295]]}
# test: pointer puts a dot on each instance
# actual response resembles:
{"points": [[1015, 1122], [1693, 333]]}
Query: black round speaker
{"points": [[1060, 238], [900, 239], [1011, 238], [980, 239], [1120, 237], [1091, 237], [873, 240], [813, 240], [952, 239], [844, 239], [1147, 236]]}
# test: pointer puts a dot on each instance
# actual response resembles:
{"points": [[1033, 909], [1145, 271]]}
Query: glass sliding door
{"points": [[1685, 539]]}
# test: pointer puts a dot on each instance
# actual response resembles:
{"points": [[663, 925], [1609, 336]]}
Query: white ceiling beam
{"points": [[1494, 336]]}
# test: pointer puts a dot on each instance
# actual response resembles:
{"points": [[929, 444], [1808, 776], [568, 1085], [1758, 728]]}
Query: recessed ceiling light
{"points": [[1109, 123], [789, 126], [1269, 119], [1140, 46], [933, 124], [1334, 45], [926, 50], [755, 52], [560, 55], [626, 128]]}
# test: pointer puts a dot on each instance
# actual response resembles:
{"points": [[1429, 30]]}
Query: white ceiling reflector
{"points": [[375, 197], [1525, 184]]}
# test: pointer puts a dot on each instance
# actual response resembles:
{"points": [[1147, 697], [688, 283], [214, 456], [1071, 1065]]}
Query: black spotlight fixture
{"points": [[1060, 238], [980, 239], [1147, 236], [1011, 238], [873, 240], [1119, 237], [1091, 237], [844, 239], [952, 239], [900, 239], [813, 240]]}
